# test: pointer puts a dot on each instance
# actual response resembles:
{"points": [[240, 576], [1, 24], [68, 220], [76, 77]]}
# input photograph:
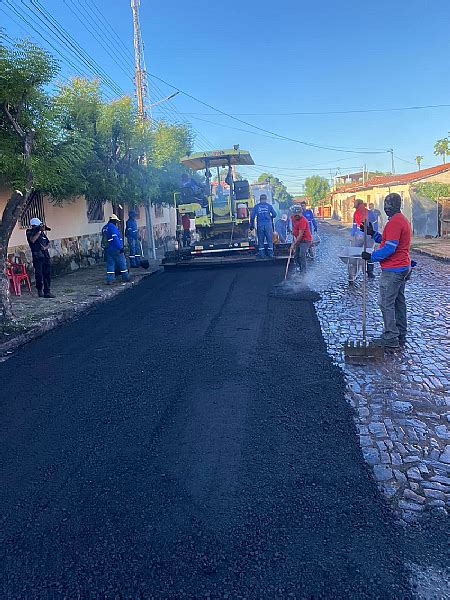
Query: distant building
{"points": [[421, 212]]}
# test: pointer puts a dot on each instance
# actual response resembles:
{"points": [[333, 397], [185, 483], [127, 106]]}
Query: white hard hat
{"points": [[35, 222], [114, 217]]}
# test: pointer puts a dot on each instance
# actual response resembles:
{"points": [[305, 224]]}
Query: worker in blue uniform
{"points": [[263, 212], [114, 250], [309, 215], [132, 235]]}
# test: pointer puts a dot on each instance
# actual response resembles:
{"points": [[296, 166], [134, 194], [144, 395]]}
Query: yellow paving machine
{"points": [[218, 211]]}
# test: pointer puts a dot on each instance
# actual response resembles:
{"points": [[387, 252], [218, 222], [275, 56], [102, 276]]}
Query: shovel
{"points": [[143, 262], [288, 263], [362, 349]]}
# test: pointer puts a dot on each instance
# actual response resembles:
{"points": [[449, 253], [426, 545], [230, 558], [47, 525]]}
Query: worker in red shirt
{"points": [[360, 215], [186, 224], [395, 261], [302, 240]]}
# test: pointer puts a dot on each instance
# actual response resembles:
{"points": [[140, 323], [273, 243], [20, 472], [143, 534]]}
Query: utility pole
{"points": [[141, 98], [140, 81], [392, 160]]}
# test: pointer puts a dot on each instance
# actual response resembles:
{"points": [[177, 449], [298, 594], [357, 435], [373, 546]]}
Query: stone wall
{"points": [[67, 254]]}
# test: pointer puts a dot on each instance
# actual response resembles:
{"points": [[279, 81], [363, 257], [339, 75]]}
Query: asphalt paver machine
{"points": [[219, 213]]}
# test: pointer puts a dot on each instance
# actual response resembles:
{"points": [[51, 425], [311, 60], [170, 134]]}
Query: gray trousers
{"points": [[300, 254], [392, 303]]}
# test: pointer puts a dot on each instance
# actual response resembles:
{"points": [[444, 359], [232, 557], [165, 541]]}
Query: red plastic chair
{"points": [[17, 272]]}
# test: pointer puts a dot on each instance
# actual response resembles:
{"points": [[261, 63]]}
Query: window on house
{"points": [[34, 208], [95, 211]]}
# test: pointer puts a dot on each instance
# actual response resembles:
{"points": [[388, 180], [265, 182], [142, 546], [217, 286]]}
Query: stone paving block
{"points": [[382, 472]]}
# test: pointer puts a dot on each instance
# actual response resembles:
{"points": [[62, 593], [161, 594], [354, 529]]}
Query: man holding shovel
{"points": [[302, 240], [393, 256]]}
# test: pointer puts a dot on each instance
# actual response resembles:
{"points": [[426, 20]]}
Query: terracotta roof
{"points": [[395, 179]]}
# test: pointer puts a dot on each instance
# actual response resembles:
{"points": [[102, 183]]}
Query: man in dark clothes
{"points": [[39, 245]]}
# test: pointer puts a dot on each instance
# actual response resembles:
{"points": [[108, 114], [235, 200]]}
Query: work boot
{"points": [[402, 340], [49, 295], [40, 293], [370, 275], [381, 341]]}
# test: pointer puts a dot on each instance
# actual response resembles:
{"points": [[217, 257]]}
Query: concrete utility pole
{"points": [[141, 86], [392, 161]]}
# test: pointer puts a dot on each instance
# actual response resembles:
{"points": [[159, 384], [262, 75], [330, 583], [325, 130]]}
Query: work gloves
{"points": [[366, 255], [370, 229]]}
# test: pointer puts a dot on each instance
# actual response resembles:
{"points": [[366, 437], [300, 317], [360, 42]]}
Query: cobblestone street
{"points": [[402, 405]]}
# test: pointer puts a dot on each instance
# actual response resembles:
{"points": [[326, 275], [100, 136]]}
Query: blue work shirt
{"points": [[113, 236], [309, 215], [282, 228], [131, 229], [263, 212]]}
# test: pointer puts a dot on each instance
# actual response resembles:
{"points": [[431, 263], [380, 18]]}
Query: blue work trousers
{"points": [[116, 260], [135, 252], [264, 232]]}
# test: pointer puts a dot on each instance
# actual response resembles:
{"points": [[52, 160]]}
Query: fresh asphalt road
{"points": [[189, 439]]}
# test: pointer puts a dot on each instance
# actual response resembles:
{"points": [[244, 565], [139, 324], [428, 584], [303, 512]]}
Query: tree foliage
{"points": [[419, 160], [280, 193], [74, 143], [433, 190], [442, 148], [316, 188]]}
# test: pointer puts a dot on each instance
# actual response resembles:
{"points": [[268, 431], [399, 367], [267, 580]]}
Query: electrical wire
{"points": [[333, 112], [62, 38], [108, 49], [267, 131]]}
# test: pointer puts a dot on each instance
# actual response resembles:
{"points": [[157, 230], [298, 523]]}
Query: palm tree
{"points": [[418, 160], [442, 148]]}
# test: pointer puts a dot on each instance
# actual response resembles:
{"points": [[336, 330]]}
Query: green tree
{"points": [[280, 193], [442, 148], [170, 143], [316, 188], [419, 160], [33, 152]]}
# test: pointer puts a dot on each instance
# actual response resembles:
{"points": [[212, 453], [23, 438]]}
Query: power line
{"points": [[101, 18], [77, 12], [272, 133], [333, 112], [63, 38]]}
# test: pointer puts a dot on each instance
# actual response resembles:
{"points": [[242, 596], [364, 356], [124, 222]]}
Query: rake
{"points": [[363, 350]]}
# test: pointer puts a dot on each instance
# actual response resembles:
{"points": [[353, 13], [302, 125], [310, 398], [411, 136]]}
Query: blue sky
{"points": [[278, 57]]}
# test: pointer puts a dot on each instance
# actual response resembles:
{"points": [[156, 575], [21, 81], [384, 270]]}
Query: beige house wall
{"points": [[75, 242]]}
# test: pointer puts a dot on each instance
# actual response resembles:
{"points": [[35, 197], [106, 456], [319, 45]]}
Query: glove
{"points": [[413, 264], [251, 229], [370, 229], [122, 251], [366, 255], [315, 230]]}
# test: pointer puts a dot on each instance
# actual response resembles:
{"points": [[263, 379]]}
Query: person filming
{"points": [[39, 245]]}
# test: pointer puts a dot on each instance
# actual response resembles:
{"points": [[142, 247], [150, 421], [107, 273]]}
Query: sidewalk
{"points": [[438, 248], [401, 403], [75, 293]]}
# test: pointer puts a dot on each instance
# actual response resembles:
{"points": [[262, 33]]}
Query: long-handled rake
{"points": [[362, 349], [288, 263]]}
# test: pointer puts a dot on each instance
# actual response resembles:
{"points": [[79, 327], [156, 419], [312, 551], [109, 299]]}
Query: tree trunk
{"points": [[10, 215]]}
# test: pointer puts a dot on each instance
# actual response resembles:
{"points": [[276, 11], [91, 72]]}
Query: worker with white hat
{"points": [[114, 250], [39, 245]]}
